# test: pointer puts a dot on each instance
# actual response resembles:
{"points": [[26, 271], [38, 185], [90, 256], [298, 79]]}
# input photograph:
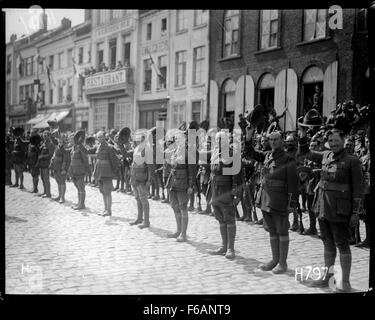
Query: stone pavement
{"points": [[53, 249]]}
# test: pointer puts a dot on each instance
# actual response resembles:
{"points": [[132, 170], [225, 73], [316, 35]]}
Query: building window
{"points": [[60, 61], [163, 26], [8, 92], [60, 91], [312, 89], [21, 67], [100, 54], [112, 52], [181, 20], [178, 114], [80, 55], [117, 14], [50, 62], [50, 96], [147, 75], [22, 94], [198, 65], [148, 31], [196, 108], [9, 63], [162, 78], [200, 17], [69, 95], [180, 68], [267, 90], [70, 58], [315, 24], [41, 93], [103, 16], [122, 115], [127, 46], [228, 98], [100, 117], [231, 32], [29, 66], [269, 29]]}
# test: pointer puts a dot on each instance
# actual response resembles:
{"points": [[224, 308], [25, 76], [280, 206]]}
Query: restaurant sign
{"points": [[106, 81]]}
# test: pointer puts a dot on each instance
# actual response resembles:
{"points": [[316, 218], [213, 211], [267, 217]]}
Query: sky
{"points": [[25, 21]]}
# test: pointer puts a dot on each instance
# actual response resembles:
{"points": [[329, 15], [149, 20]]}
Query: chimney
{"points": [[66, 23], [43, 21]]}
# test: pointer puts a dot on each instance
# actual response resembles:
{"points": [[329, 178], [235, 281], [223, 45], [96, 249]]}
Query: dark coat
{"points": [[61, 159], [107, 163], [46, 153], [341, 181], [79, 164], [19, 152], [278, 179]]}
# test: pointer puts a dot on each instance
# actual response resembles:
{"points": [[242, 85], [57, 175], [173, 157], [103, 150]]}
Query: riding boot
{"points": [[21, 181], [35, 185], [346, 263], [295, 226], [146, 212], [224, 238], [255, 217], [275, 249], [108, 205], [75, 207], [59, 196], [312, 228], [323, 281], [184, 225], [140, 214], [191, 201], [178, 223], [282, 266], [63, 190], [231, 234]]}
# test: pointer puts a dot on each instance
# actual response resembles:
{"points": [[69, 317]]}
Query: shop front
{"points": [[110, 100], [151, 111]]}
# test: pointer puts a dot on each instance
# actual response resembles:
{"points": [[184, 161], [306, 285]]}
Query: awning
{"points": [[38, 118], [57, 115]]}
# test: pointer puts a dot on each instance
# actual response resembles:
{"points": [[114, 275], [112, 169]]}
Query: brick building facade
{"points": [[262, 44]]}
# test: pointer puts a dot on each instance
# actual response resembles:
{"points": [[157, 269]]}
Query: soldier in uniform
{"points": [[91, 152], [181, 181], [225, 191], [46, 152], [167, 163], [32, 159], [8, 158], [337, 203], [19, 154], [79, 167], [106, 168], [278, 189], [141, 173], [60, 163], [366, 164]]}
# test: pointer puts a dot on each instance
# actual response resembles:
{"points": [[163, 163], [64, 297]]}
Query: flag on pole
{"points": [[49, 74], [155, 66]]}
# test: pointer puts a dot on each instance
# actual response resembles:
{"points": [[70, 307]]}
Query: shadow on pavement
{"points": [[11, 219]]}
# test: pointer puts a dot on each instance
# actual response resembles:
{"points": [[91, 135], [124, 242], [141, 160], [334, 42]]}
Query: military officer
{"points": [[8, 158], [366, 164], [225, 192], [46, 152], [181, 181], [278, 189], [107, 167], [79, 167], [60, 164], [19, 154], [141, 173], [32, 159], [337, 203]]}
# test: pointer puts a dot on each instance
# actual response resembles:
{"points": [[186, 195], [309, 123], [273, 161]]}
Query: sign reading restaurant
{"points": [[108, 80], [124, 25]]}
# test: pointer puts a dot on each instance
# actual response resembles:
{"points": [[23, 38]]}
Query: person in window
{"points": [[119, 65]]}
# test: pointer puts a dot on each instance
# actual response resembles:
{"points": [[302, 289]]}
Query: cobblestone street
{"points": [[53, 249]]}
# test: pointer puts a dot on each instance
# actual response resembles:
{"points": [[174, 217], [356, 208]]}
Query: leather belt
{"points": [[334, 186]]}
